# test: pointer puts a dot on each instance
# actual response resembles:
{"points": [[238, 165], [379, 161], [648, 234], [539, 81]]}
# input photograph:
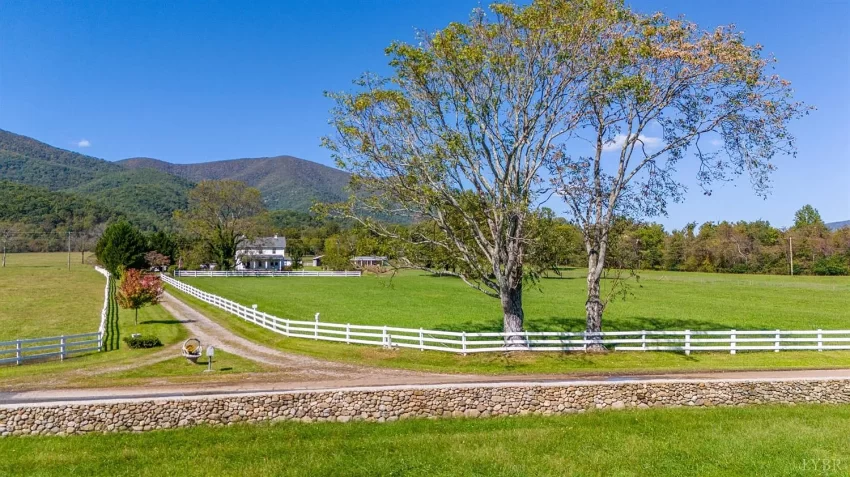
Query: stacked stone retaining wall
{"points": [[389, 404]]}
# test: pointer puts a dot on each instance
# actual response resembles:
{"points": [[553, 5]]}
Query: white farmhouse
{"points": [[264, 253]]}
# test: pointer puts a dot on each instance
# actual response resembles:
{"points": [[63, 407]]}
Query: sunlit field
{"points": [[658, 300]]}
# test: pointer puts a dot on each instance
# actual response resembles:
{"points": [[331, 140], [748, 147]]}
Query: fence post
{"points": [[100, 340], [421, 341], [348, 333], [18, 354], [386, 338], [286, 327], [584, 340], [62, 348], [687, 342], [776, 343], [643, 340], [254, 314], [820, 340], [732, 339], [316, 333], [463, 342]]}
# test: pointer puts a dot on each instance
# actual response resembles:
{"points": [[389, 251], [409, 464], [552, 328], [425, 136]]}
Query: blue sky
{"points": [[191, 81]]}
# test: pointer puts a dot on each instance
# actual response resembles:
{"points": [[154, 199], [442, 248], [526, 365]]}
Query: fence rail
{"points": [[686, 341], [30, 349], [42, 348], [265, 273]]}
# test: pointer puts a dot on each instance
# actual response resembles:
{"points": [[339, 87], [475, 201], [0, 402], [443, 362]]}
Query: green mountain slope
{"points": [[147, 191], [147, 196], [48, 210], [286, 182], [25, 160]]}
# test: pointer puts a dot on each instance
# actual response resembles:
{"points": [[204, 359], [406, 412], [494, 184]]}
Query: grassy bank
{"points": [[802, 440]]}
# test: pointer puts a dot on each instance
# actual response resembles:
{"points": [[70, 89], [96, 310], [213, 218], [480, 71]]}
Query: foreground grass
{"points": [[660, 300], [802, 440], [520, 363], [41, 297]]}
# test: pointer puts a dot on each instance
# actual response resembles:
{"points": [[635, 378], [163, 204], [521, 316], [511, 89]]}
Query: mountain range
{"points": [[838, 225], [75, 188]]}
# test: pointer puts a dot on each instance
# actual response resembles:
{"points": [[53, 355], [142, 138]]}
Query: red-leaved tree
{"points": [[139, 289]]}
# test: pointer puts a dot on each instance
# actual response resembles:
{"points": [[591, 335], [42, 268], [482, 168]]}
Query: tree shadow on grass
{"points": [[165, 322], [578, 324]]}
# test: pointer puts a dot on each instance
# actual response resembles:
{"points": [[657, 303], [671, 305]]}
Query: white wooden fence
{"points": [[43, 348], [686, 341], [22, 350], [265, 273]]}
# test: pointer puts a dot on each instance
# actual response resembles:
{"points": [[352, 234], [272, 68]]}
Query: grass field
{"points": [[40, 297], [801, 440], [660, 300], [522, 363]]}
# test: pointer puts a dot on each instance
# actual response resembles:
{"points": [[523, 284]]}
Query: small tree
{"points": [[121, 247], [338, 252], [297, 249], [139, 289], [157, 260]]}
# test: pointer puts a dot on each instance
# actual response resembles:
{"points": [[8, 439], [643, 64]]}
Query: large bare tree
{"points": [[460, 134], [661, 92]]}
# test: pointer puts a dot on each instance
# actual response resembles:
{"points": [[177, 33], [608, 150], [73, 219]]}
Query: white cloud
{"points": [[617, 143], [84, 143], [716, 142]]}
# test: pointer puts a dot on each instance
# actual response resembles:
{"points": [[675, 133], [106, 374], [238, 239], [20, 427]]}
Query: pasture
{"points": [[658, 301], [40, 297], [662, 301], [764, 440]]}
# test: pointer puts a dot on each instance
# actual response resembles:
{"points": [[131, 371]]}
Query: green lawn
{"points": [[769, 440], [40, 297], [661, 300]]}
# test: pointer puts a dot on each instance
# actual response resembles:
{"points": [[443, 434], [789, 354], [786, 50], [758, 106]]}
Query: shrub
{"points": [[143, 341], [833, 265]]}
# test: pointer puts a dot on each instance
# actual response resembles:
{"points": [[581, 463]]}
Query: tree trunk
{"points": [[137, 315], [513, 316], [594, 306]]}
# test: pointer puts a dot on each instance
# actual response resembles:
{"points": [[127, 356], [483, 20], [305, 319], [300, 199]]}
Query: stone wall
{"points": [[426, 402]]}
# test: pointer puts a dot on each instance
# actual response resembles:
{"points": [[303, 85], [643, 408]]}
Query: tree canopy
{"points": [[482, 121], [121, 247], [221, 215]]}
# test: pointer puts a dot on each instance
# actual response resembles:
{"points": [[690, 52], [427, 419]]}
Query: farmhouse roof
{"points": [[366, 258], [264, 242]]}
